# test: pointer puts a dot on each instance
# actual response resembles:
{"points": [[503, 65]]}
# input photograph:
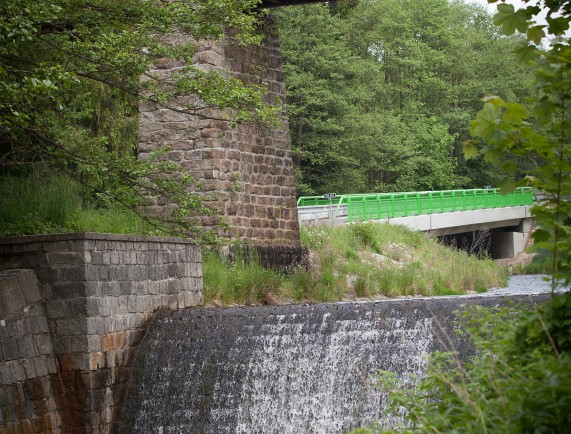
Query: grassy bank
{"points": [[348, 262], [42, 204]]}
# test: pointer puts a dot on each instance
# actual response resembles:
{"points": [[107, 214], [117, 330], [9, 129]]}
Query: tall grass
{"points": [[242, 281], [382, 259], [37, 204], [42, 203], [360, 260]]}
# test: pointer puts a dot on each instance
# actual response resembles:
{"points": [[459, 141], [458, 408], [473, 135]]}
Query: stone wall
{"points": [[67, 346], [249, 169], [29, 390]]}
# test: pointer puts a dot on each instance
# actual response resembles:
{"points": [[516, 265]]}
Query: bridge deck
{"points": [[392, 205]]}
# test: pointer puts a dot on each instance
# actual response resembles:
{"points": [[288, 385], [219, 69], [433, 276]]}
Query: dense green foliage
{"points": [[380, 96], [504, 130], [357, 260], [70, 85]]}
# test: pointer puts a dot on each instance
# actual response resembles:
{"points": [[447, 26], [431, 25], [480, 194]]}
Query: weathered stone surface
{"points": [[98, 292], [224, 157]]}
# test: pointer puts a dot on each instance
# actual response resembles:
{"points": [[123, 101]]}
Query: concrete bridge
{"points": [[441, 213]]}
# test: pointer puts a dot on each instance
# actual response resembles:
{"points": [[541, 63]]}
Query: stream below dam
{"points": [[292, 368]]}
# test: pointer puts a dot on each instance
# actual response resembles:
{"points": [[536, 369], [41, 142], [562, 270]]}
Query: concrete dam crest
{"points": [[284, 369]]}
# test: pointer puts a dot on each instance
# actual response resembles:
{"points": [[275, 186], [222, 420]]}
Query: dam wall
{"points": [[285, 369]]}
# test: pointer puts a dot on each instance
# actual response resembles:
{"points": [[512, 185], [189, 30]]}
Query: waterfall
{"points": [[282, 369]]}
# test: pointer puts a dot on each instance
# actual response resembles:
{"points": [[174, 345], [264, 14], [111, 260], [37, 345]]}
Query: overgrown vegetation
{"points": [[43, 203], [519, 380], [72, 75], [357, 260]]}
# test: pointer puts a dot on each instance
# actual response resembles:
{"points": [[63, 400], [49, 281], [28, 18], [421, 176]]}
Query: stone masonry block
{"points": [[78, 344], [110, 324], [183, 270], [17, 370], [95, 325], [43, 344], [66, 258], [10, 349], [61, 345], [27, 347], [127, 287], [29, 368], [103, 272], [12, 299], [112, 289], [5, 374], [56, 309], [36, 325], [29, 285], [94, 289], [98, 258], [69, 290], [52, 366], [27, 247], [41, 366], [71, 327], [92, 306], [94, 343], [91, 273]]}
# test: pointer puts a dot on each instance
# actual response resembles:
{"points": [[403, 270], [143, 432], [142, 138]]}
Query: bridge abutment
{"points": [[68, 336]]}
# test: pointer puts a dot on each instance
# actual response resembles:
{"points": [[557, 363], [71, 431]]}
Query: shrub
{"points": [[518, 380]]}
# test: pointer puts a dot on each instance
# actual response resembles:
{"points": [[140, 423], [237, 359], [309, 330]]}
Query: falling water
{"points": [[282, 369]]}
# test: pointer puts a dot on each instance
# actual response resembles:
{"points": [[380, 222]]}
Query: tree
{"points": [[503, 130], [380, 97], [70, 87]]}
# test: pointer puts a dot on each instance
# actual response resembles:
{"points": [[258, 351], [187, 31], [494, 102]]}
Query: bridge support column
{"points": [[509, 244], [249, 170]]}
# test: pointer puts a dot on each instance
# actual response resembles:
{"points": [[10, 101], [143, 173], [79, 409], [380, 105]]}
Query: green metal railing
{"points": [[390, 205]]}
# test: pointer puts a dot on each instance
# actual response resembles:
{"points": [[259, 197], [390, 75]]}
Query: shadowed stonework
{"points": [[248, 169]]}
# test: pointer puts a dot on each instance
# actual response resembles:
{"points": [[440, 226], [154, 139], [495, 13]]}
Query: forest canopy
{"points": [[380, 95]]}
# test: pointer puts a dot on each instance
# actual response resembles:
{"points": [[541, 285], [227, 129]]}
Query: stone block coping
{"points": [[70, 236]]}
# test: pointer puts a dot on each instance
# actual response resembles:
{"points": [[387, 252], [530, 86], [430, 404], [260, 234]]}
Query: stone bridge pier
{"points": [[247, 168]]}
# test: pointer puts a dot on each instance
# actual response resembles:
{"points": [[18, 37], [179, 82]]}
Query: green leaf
{"points": [[470, 149], [487, 121], [493, 155], [510, 20], [535, 34], [507, 186], [558, 26], [509, 166], [515, 113], [525, 52], [540, 235]]}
